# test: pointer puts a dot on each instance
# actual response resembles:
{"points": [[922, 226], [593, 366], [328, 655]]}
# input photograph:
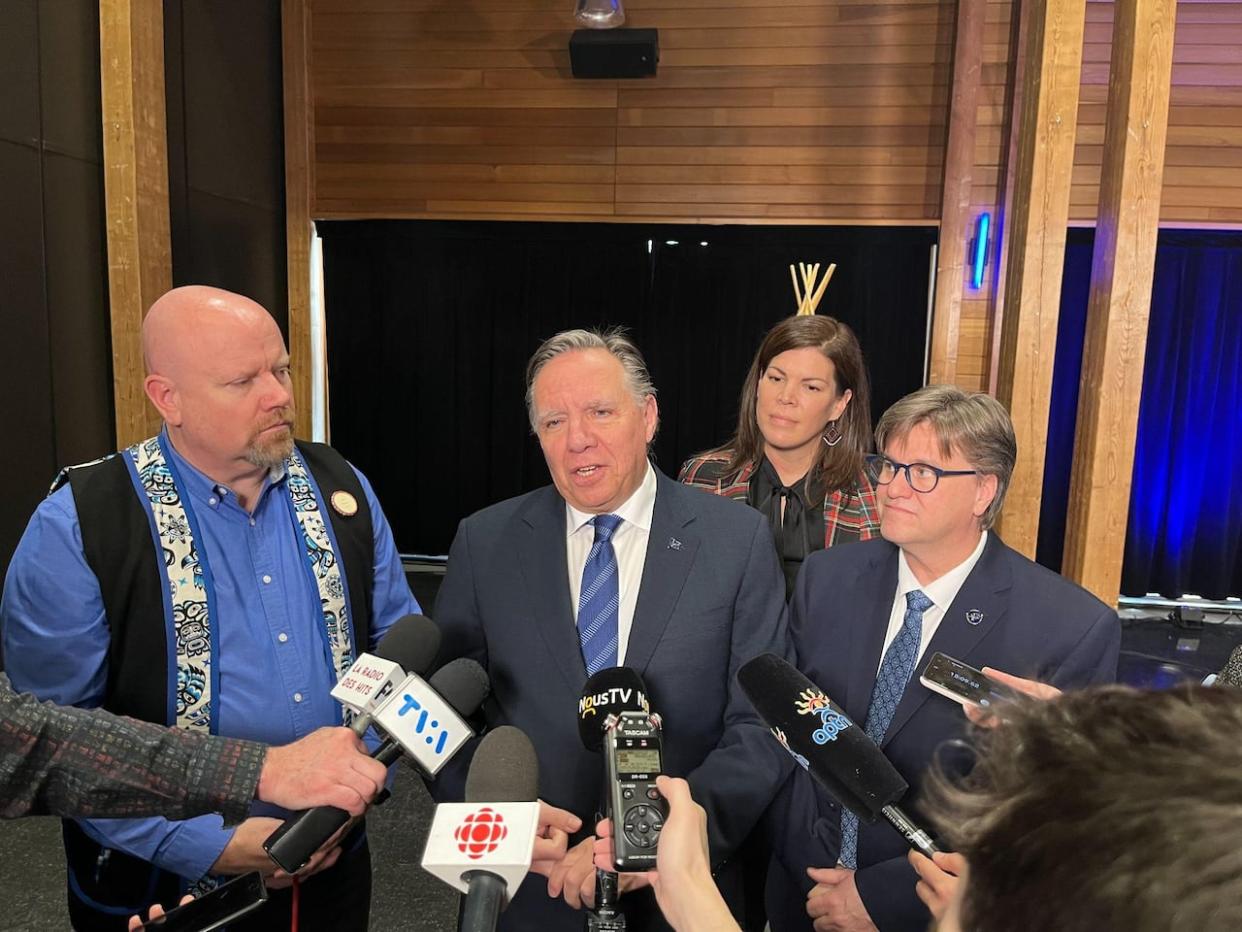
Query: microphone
{"points": [[836, 752], [483, 846], [614, 716], [610, 692], [409, 646], [423, 720]]}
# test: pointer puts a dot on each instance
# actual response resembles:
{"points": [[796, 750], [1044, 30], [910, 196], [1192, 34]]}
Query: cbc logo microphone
{"points": [[481, 833]]}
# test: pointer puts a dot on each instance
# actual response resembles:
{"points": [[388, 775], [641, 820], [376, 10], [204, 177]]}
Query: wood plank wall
{"points": [[764, 111]]}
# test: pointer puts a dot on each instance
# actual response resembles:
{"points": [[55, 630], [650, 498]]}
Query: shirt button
{"points": [[266, 578], [297, 697], [282, 637], [212, 500], [252, 522]]}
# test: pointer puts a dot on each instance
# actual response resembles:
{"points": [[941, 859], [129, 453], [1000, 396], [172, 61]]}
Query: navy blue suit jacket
{"points": [[1034, 624], [712, 597]]}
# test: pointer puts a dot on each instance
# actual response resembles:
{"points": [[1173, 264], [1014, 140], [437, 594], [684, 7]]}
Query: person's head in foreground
{"points": [[1102, 809]]}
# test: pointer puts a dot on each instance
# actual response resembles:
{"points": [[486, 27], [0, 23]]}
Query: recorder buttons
{"points": [[642, 826]]}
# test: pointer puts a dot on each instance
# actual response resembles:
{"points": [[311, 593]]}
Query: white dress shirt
{"points": [[629, 542], [942, 592]]}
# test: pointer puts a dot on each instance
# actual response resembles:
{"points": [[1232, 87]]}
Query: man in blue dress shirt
{"points": [[217, 577]]}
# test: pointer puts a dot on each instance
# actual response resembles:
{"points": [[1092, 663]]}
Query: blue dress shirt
{"points": [[275, 672]]}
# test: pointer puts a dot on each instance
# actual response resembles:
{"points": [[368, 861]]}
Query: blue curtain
{"points": [[1185, 529]]}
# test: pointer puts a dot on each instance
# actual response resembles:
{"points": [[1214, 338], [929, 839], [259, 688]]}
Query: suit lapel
{"points": [[671, 548], [545, 569], [984, 595], [877, 585]]}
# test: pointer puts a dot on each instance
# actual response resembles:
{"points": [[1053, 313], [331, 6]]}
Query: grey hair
{"points": [[975, 425], [614, 342]]}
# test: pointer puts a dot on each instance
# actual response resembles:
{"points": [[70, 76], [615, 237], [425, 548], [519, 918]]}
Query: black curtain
{"points": [[1185, 528], [430, 324]]}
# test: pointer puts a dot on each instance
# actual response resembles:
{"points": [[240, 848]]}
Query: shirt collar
{"points": [[637, 509], [202, 487], [944, 590]]}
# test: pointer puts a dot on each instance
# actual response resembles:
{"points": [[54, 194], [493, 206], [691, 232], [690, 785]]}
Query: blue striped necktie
{"points": [[890, 683], [599, 599]]}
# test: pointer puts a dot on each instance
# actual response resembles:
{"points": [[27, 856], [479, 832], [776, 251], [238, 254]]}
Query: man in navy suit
{"points": [[615, 564], [865, 618]]}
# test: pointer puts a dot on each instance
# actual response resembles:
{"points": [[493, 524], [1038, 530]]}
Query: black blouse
{"points": [[798, 528]]}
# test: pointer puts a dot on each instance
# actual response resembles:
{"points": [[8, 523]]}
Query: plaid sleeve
{"points": [[82, 763], [851, 514]]}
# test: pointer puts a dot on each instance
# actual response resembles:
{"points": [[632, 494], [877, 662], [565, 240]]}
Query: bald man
{"points": [[215, 577]]}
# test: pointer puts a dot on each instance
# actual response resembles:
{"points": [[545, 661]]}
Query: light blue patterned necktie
{"points": [[599, 599], [890, 683]]}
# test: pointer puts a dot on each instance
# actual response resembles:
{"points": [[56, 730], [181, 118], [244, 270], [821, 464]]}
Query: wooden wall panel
{"points": [[1203, 184], [763, 111]]}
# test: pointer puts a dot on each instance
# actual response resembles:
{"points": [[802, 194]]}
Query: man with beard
{"points": [[216, 577]]}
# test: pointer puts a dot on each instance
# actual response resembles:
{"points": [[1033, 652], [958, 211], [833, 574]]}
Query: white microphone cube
{"points": [[494, 837], [427, 728], [367, 682]]}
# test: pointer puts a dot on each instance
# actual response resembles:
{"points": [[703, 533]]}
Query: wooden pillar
{"points": [[1019, 32], [299, 186], [1122, 266], [131, 43], [956, 220], [1037, 227]]}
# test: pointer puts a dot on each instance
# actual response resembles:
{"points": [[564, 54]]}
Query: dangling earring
{"points": [[832, 436]]}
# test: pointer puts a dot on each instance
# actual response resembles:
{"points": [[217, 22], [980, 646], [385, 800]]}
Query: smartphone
{"points": [[963, 683], [226, 903]]}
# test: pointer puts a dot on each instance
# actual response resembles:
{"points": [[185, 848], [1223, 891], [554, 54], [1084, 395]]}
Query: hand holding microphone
{"points": [[484, 846], [682, 880], [423, 721], [836, 752]]}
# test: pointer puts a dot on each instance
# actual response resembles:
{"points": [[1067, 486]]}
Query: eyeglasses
{"points": [[922, 477]]}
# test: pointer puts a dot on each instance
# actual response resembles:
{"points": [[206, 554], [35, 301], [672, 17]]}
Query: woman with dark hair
{"points": [[803, 428]]}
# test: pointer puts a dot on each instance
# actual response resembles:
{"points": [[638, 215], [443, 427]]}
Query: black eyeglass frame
{"points": [[875, 460]]}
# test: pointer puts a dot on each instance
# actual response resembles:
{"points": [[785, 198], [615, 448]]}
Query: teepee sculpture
{"points": [[809, 295]]}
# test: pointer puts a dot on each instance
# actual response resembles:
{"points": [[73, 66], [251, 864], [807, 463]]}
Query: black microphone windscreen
{"points": [[411, 643], [610, 691], [835, 750], [505, 768], [463, 684]]}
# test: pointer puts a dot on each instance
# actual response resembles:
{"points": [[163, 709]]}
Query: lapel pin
{"points": [[674, 543], [344, 504], [974, 616]]}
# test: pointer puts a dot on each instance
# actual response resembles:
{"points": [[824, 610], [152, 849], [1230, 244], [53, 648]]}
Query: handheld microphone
{"points": [[823, 739], [615, 716], [422, 720], [483, 846], [409, 646]]}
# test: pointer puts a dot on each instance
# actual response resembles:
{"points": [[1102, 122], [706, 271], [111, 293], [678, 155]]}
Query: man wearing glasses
{"points": [[866, 617]]}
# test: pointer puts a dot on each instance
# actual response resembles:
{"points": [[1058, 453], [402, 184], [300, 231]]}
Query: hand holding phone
{"points": [[963, 683], [214, 910]]}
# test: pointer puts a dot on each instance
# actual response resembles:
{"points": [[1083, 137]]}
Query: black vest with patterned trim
{"points": [[116, 541]]}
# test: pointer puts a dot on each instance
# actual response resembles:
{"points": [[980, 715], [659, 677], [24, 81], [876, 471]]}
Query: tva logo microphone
{"points": [[426, 726], [423, 722], [481, 833]]}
